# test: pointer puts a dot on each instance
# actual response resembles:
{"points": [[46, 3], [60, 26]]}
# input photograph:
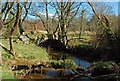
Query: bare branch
{"points": [[26, 13], [75, 13], [5, 7], [93, 9], [6, 23], [8, 10], [38, 15]]}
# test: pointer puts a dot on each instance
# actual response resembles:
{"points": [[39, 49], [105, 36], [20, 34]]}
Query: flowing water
{"points": [[52, 73], [59, 73], [80, 62]]}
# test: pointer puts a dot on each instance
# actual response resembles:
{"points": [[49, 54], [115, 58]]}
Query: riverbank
{"points": [[31, 59], [92, 54]]}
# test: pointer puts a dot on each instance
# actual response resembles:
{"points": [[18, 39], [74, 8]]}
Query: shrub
{"points": [[68, 63], [104, 68]]}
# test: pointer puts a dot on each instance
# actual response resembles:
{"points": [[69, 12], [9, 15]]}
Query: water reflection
{"points": [[48, 73], [80, 62], [51, 72]]}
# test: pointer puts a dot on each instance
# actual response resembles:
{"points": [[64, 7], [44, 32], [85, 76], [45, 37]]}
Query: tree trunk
{"points": [[81, 23], [1, 27], [14, 28], [21, 30], [11, 43]]}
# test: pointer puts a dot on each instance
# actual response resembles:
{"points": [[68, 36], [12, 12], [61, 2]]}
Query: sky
{"points": [[112, 3], [89, 12], [114, 6], [63, 0]]}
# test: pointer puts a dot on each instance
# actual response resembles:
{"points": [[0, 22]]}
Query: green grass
{"points": [[81, 44], [85, 40], [7, 73], [67, 63], [0, 72], [30, 52], [27, 51], [86, 36], [24, 51]]}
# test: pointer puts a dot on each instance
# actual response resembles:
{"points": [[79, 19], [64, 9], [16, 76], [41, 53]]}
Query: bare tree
{"points": [[103, 8], [105, 33], [6, 9], [66, 11], [24, 8], [12, 13], [43, 14], [81, 22], [1, 25], [14, 28]]}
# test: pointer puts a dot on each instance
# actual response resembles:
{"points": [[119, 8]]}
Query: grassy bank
{"points": [[25, 51], [7, 73]]}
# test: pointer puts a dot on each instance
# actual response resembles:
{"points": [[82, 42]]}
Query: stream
{"points": [[80, 62], [53, 73], [58, 73]]}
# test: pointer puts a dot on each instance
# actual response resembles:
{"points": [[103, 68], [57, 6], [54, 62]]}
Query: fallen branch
{"points": [[114, 75], [108, 76], [8, 51], [80, 74]]}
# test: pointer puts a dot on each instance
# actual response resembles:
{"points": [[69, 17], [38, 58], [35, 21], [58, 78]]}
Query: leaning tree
{"points": [[12, 16]]}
